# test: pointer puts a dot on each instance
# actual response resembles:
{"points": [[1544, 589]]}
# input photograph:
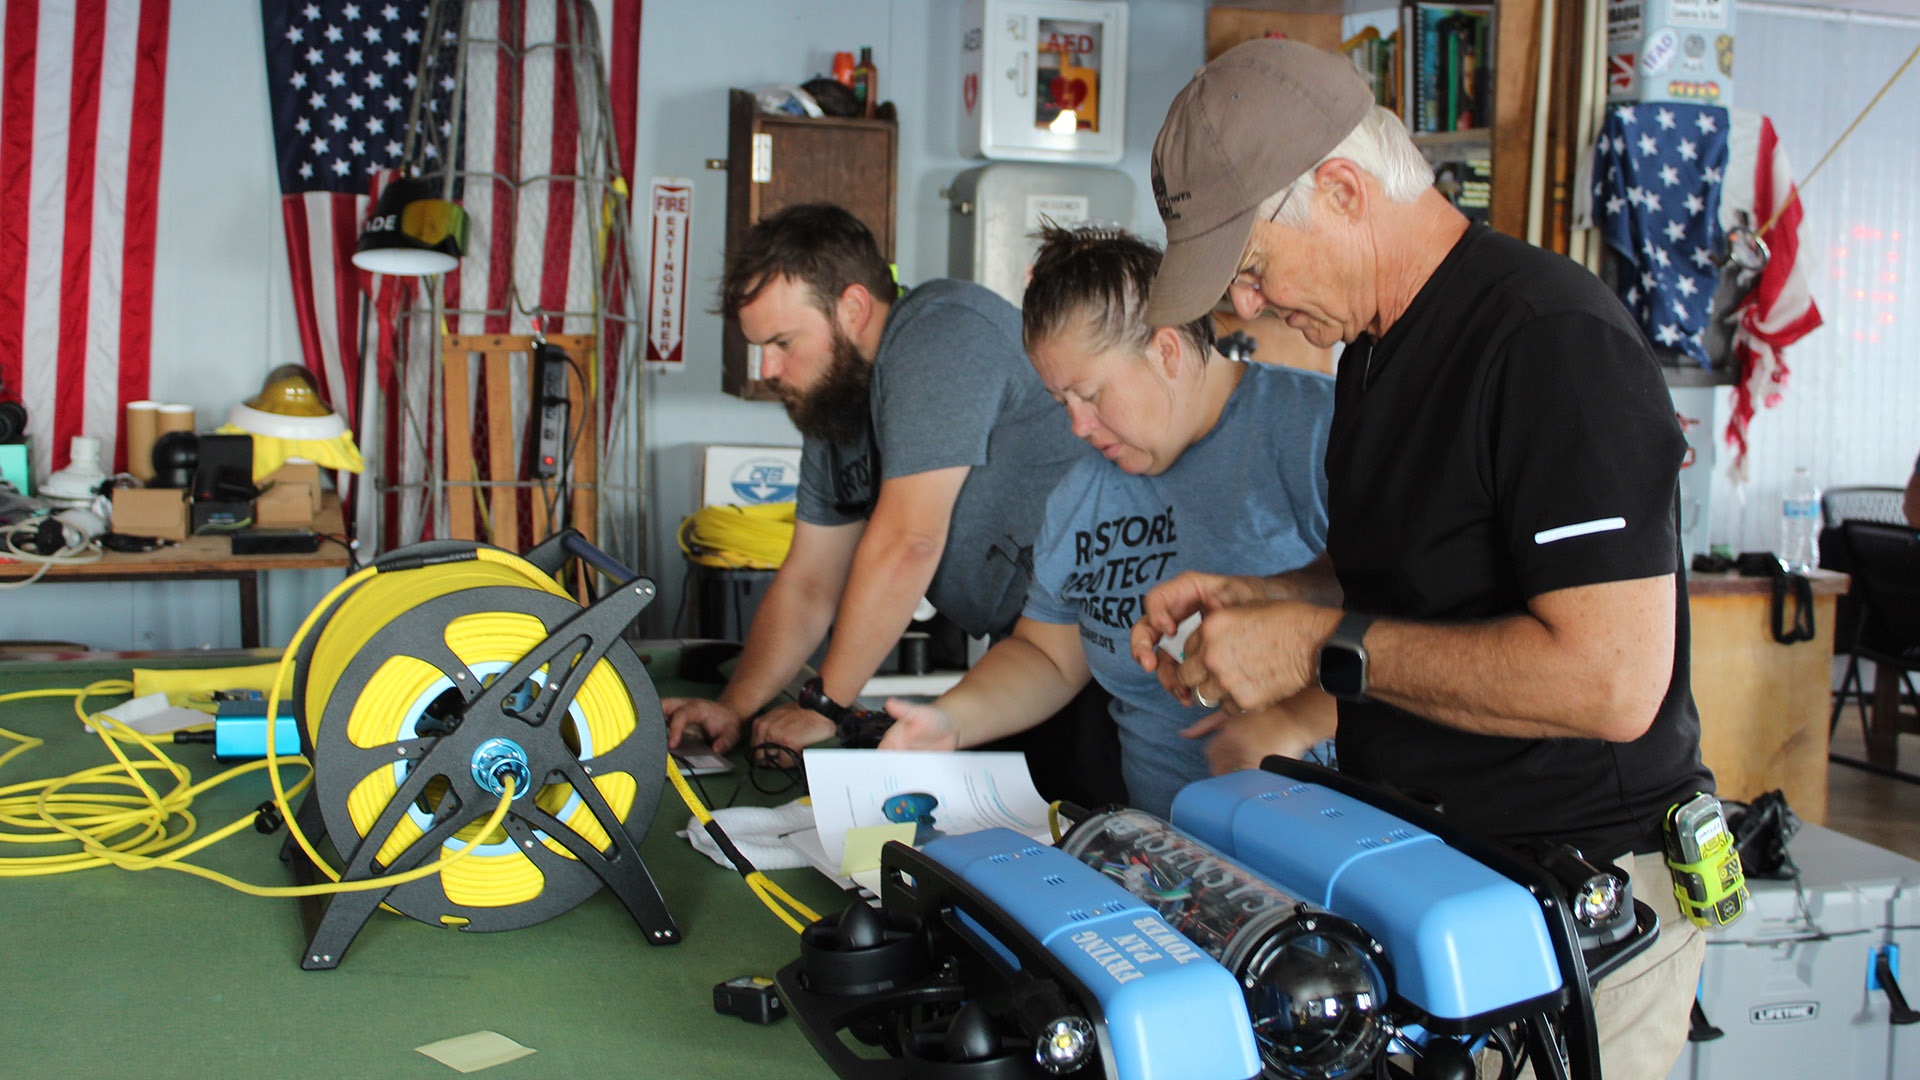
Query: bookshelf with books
{"points": [[1474, 116], [1432, 64], [1447, 77]]}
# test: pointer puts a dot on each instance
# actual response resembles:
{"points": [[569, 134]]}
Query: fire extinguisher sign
{"points": [[671, 207]]}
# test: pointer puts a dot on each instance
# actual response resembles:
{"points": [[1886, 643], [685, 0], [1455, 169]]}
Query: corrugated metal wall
{"points": [[1851, 411]]}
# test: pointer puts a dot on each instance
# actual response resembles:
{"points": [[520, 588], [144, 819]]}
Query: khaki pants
{"points": [[1643, 1009]]}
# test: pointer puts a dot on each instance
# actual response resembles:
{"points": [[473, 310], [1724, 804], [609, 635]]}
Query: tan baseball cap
{"points": [[1249, 124]]}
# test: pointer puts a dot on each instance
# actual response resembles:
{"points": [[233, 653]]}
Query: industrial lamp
{"points": [[412, 232]]}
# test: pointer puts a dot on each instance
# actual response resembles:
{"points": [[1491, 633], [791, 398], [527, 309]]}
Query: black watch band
{"points": [[856, 728], [1342, 669], [814, 696]]}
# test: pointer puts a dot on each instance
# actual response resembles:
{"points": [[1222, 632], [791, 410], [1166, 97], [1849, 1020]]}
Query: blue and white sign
{"points": [[750, 475], [765, 480]]}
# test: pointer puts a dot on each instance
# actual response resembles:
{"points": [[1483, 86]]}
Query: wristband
{"points": [[857, 729]]}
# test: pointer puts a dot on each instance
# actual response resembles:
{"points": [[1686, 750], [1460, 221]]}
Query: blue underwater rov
{"points": [[1289, 922]]}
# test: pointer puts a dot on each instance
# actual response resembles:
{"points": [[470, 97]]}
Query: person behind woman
{"points": [[1205, 464]]}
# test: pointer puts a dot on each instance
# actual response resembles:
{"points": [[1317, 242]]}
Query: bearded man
{"points": [[930, 447]]}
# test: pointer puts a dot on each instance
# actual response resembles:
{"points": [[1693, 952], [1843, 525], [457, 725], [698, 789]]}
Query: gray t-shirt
{"points": [[1249, 498], [952, 386]]}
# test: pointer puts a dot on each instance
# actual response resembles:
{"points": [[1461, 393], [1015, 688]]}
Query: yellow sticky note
{"points": [[479, 1050], [863, 845]]}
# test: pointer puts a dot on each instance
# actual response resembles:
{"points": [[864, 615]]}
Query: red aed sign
{"points": [[1068, 43]]}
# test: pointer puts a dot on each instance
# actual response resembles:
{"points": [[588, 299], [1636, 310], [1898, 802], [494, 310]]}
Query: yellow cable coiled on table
{"points": [[148, 828], [739, 537], [386, 707]]}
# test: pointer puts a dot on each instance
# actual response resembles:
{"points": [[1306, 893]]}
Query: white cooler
{"points": [[1792, 984]]}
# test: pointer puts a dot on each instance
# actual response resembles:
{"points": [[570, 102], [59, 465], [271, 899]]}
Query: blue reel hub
{"points": [[498, 758]]}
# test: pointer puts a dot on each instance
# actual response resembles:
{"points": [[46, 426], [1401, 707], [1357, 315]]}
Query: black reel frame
{"points": [[1558, 1029], [962, 970], [578, 639]]}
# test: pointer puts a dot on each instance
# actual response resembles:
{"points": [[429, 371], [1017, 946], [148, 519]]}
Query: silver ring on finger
{"points": [[1204, 703]]}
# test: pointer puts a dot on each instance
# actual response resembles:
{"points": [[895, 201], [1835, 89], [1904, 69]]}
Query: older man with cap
{"points": [[1501, 608]]}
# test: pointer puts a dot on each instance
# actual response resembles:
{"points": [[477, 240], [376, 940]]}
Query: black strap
{"points": [[1802, 625]]}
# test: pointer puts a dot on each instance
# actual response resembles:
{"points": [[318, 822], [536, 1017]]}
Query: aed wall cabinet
{"points": [[775, 161], [1043, 80]]}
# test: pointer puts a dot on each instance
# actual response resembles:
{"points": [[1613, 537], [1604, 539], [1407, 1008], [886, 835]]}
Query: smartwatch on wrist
{"points": [[857, 729], [1343, 659]]}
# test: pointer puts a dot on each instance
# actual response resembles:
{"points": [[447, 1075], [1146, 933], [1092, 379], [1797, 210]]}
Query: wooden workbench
{"points": [[207, 558], [1763, 705]]}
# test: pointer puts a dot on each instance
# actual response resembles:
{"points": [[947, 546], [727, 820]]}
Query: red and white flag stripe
{"points": [[321, 229], [1779, 310], [528, 116], [81, 104]]}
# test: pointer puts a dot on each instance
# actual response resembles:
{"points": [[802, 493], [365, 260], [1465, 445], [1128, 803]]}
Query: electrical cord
{"points": [[770, 893], [149, 828], [130, 830], [68, 554], [496, 636], [775, 759], [738, 537]]}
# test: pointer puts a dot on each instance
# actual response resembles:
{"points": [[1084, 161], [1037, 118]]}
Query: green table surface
{"points": [[161, 975]]}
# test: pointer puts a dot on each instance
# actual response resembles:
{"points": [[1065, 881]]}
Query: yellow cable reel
{"points": [[454, 667]]}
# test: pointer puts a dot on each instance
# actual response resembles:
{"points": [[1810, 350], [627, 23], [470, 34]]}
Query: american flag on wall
{"points": [[1657, 171], [80, 126], [340, 77], [530, 124], [1779, 309]]}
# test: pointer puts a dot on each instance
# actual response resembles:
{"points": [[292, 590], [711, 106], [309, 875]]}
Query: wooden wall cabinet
{"points": [[776, 161]]}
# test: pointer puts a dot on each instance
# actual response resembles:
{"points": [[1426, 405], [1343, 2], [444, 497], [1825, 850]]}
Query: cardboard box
{"points": [[283, 506], [298, 472], [1316, 24], [1670, 50], [290, 497], [749, 475], [157, 512]]}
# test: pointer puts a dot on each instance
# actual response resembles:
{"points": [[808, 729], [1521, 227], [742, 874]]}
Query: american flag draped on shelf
{"points": [[1657, 173], [80, 126], [1779, 309]]}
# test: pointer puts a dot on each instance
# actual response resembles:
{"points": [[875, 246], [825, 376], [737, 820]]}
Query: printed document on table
{"points": [[975, 790]]}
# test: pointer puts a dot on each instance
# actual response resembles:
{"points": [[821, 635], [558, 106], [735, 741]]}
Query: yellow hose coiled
{"points": [[739, 537], [148, 828], [386, 707]]}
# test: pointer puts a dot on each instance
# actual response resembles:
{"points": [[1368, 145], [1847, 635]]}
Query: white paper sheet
{"points": [[976, 791], [151, 715]]}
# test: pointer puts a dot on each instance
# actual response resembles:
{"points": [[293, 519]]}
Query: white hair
{"points": [[1380, 147]]}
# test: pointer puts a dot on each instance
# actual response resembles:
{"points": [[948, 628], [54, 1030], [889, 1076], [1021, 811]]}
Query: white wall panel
{"points": [[1851, 410]]}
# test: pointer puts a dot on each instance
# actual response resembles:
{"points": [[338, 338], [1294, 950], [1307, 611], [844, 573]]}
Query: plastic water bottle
{"points": [[1800, 523]]}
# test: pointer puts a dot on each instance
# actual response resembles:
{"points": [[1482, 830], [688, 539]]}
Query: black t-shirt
{"points": [[1509, 436]]}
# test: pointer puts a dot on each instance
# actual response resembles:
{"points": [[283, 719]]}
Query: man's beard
{"points": [[838, 409]]}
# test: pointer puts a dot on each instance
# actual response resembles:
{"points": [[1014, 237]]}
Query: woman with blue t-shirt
{"points": [[1205, 464]]}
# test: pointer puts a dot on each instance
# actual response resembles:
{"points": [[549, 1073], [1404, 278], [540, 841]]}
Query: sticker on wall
{"points": [[1624, 19], [1620, 72], [1698, 12], [672, 209], [1660, 52]]}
